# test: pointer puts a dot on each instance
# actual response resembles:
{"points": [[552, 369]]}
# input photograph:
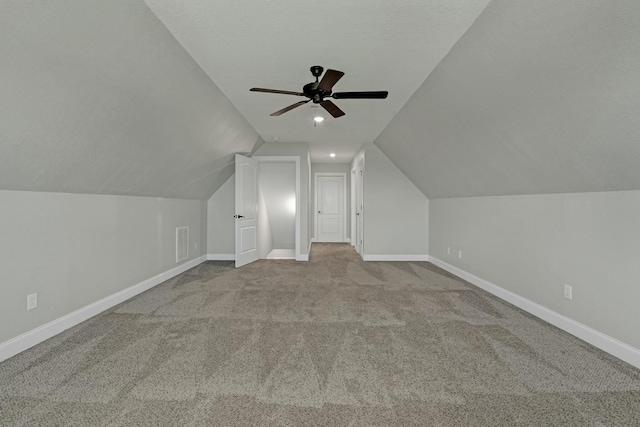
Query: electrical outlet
{"points": [[568, 292], [460, 254], [32, 301], [448, 250]]}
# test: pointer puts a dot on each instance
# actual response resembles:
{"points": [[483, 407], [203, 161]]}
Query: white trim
{"points": [[221, 257], [295, 159], [604, 342], [360, 207], [41, 333], [343, 175], [408, 257], [304, 257], [352, 208], [314, 240]]}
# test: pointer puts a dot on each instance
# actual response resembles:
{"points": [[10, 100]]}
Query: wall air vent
{"points": [[182, 243]]}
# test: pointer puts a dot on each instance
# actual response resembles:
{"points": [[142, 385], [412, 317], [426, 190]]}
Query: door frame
{"points": [[352, 208], [360, 207], [344, 202], [296, 160]]}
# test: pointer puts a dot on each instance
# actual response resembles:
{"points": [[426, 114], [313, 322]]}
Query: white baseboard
{"points": [[347, 240], [36, 336], [305, 257], [604, 342], [221, 257], [409, 257]]}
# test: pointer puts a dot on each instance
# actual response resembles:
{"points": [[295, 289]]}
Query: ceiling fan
{"points": [[319, 90]]}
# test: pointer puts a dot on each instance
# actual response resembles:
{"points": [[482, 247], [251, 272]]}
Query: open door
{"points": [[246, 210]]}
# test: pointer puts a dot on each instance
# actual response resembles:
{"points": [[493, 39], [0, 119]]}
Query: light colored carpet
{"points": [[335, 341]]}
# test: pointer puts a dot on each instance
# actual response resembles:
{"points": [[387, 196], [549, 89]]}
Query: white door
{"points": [[330, 208], [246, 210], [359, 207]]}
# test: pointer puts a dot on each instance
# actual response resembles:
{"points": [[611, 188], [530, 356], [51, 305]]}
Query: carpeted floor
{"points": [[332, 342]]}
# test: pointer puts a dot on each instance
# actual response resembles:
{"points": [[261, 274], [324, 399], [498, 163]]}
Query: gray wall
{"points": [[220, 223], [533, 245], [278, 188], [396, 213], [75, 249], [331, 167]]}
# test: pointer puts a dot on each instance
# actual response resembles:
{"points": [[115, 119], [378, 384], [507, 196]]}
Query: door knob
{"points": [[319, 212], [238, 216], [357, 213]]}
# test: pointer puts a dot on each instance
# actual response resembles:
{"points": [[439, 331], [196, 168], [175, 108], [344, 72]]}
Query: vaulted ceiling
{"points": [[271, 44], [513, 97]]}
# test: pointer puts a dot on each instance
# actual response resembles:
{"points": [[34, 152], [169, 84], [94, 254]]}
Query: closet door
{"points": [[330, 218]]}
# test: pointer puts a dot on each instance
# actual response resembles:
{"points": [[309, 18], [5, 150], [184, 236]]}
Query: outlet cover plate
{"points": [[568, 292], [32, 301]]}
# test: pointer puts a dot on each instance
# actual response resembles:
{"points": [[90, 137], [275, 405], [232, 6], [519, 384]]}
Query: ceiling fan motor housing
{"points": [[311, 91]]}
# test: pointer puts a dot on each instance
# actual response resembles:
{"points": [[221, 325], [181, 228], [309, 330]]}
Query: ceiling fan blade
{"points": [[283, 92], [290, 107], [360, 95], [330, 78], [332, 108]]}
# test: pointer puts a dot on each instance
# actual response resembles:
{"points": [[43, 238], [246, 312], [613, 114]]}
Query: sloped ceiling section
{"points": [[537, 97], [98, 97], [380, 45]]}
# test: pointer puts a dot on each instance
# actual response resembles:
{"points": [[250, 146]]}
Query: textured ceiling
{"points": [[98, 97], [378, 44], [537, 97]]}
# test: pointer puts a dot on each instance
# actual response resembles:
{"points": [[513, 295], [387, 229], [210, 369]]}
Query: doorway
{"points": [[278, 207], [330, 207]]}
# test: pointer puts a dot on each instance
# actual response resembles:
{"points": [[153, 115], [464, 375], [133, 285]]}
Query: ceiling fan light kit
{"points": [[319, 90]]}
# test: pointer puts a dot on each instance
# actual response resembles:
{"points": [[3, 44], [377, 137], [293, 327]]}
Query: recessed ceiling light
{"points": [[318, 119], [332, 155]]}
